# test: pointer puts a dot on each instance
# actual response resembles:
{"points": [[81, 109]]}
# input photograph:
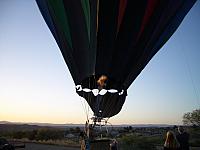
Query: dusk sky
{"points": [[36, 86]]}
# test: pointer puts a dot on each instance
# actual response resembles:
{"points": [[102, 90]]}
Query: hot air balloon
{"points": [[107, 43]]}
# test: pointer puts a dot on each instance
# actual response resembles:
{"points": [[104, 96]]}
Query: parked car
{"points": [[5, 145]]}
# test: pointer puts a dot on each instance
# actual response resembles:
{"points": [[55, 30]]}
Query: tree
{"points": [[31, 135], [192, 118]]}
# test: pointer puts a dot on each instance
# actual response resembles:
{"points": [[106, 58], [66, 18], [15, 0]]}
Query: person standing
{"points": [[82, 140], [171, 142], [183, 139], [113, 145]]}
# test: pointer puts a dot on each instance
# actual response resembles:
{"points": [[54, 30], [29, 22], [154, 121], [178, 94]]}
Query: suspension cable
{"points": [[188, 68]]}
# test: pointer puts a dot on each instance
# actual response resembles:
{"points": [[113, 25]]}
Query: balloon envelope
{"points": [[115, 38]]}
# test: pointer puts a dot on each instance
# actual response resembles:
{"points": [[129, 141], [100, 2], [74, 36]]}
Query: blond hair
{"points": [[171, 141]]}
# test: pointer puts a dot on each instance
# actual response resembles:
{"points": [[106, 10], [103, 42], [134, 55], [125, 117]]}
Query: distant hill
{"points": [[17, 127], [20, 126], [5, 122], [64, 126], [145, 125]]}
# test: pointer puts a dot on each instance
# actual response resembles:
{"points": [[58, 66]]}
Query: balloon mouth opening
{"points": [[100, 85]]}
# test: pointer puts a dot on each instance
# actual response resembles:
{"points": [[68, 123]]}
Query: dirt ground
{"points": [[191, 148], [32, 146]]}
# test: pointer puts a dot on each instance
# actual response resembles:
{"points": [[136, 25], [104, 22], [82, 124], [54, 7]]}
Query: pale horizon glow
{"points": [[36, 86]]}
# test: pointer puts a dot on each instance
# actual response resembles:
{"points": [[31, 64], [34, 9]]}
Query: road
{"points": [[32, 146]]}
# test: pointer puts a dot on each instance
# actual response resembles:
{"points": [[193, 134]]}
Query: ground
{"points": [[32, 146]]}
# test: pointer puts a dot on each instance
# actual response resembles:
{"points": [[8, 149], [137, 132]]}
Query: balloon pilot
{"points": [[101, 82]]}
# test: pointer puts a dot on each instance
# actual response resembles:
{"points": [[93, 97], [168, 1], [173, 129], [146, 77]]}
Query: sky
{"points": [[36, 86]]}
